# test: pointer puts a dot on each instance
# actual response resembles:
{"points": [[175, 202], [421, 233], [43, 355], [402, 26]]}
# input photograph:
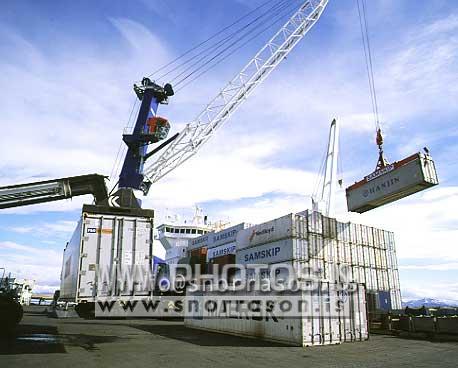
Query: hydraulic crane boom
{"points": [[218, 111], [53, 190]]}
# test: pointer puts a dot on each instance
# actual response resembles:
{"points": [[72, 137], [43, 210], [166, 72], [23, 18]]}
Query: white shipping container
{"points": [[321, 327], [222, 250], [274, 252], [103, 239], [345, 253], [201, 241], [282, 270], [396, 299], [316, 246], [288, 226], [340, 231], [314, 221], [393, 278], [382, 279], [330, 250], [329, 227], [370, 252], [225, 236]]}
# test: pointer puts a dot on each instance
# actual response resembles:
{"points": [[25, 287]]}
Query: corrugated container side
{"points": [[333, 228], [331, 271], [316, 246], [204, 240], [371, 237], [366, 256], [320, 328], [382, 279], [340, 231], [393, 278], [274, 252], [267, 232], [372, 261], [404, 179], [396, 299], [70, 265], [376, 237], [225, 236], [315, 222], [358, 233], [364, 235], [101, 242], [347, 325], [348, 232], [344, 231], [330, 250], [329, 227], [110, 241], [360, 251], [221, 250], [359, 311], [345, 253], [339, 252]]}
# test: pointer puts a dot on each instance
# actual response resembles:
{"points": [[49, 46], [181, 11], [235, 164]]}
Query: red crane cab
{"points": [[158, 127]]}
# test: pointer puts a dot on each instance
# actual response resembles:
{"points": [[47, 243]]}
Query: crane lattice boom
{"points": [[218, 111]]}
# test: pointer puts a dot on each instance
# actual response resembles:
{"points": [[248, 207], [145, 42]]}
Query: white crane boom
{"points": [[217, 112], [324, 200]]}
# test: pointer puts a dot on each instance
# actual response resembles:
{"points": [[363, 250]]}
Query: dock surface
{"points": [[41, 341]]}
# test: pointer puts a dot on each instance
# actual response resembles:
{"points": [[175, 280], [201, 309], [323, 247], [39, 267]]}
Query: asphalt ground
{"points": [[41, 341]]}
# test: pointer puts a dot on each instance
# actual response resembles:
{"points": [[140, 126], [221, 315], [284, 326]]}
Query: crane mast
{"points": [[324, 201], [218, 111]]}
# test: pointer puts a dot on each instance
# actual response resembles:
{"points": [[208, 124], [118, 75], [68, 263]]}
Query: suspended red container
{"points": [[391, 183]]}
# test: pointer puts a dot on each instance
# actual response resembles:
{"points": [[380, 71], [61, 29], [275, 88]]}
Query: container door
{"points": [[358, 313], [89, 257], [325, 313], [135, 249], [105, 261]]}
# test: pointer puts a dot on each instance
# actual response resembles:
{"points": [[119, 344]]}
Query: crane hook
{"points": [[382, 162]]}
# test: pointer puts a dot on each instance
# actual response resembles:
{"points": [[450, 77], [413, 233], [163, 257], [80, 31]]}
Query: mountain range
{"points": [[430, 302]]}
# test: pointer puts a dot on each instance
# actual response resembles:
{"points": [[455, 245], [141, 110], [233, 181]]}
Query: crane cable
{"points": [[275, 9], [121, 149], [207, 40], [227, 39], [216, 45], [211, 52], [361, 6], [231, 52]]}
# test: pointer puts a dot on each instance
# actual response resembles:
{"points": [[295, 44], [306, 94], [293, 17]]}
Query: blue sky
{"points": [[66, 71]]}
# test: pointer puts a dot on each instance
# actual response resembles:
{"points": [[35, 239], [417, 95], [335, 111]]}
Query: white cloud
{"points": [[425, 224], [432, 267], [448, 291], [24, 261], [46, 228], [264, 209], [229, 169], [76, 120]]}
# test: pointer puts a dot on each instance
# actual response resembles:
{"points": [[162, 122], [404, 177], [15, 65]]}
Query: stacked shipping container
{"points": [[321, 325], [311, 243], [367, 254], [323, 244]]}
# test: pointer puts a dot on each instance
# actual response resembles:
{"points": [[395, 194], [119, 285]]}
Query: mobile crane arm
{"points": [[218, 111]]}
